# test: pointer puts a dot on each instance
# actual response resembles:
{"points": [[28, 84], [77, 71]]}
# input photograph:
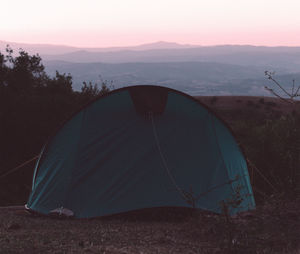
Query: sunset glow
{"points": [[94, 23]]}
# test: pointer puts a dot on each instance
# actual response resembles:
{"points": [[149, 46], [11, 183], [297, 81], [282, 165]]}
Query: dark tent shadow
{"points": [[156, 214]]}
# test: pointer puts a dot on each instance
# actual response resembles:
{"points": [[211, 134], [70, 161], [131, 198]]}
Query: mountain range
{"points": [[206, 70], [50, 49]]}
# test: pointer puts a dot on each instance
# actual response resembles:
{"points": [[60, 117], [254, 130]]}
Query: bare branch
{"points": [[280, 97], [269, 75], [296, 93]]}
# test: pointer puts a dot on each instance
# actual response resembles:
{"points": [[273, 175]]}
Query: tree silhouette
{"points": [[32, 106]]}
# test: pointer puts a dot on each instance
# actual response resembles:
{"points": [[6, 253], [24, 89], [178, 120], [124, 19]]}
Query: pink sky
{"points": [[95, 23]]}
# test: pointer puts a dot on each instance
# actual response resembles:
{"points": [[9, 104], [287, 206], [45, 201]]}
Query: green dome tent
{"points": [[140, 147]]}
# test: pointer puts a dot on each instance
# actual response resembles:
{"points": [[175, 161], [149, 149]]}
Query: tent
{"points": [[140, 147]]}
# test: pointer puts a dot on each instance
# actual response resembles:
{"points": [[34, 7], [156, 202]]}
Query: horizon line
{"points": [[144, 44]]}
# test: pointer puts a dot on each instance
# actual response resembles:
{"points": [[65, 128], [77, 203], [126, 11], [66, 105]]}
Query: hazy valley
{"points": [[196, 70]]}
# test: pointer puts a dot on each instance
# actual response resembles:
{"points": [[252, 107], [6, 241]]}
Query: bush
{"points": [[274, 148]]}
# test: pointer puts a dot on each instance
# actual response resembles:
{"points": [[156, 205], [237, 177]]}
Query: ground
{"points": [[268, 229]]}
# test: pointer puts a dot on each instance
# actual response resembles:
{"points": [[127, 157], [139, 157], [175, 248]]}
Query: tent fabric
{"points": [[111, 157]]}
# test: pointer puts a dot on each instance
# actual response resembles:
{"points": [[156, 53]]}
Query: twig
{"points": [[269, 75], [272, 91], [290, 95]]}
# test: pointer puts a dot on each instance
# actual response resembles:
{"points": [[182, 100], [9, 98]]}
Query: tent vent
{"points": [[149, 99]]}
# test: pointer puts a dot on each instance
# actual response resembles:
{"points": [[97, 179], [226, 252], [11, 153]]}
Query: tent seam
{"points": [[75, 155], [219, 148]]}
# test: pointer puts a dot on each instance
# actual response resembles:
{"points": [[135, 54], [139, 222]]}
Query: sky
{"points": [[105, 23]]}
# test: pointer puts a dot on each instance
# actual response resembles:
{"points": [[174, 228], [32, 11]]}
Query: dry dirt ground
{"points": [[231, 108], [261, 103], [273, 228]]}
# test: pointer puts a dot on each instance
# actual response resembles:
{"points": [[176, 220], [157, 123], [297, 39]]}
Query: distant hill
{"points": [[197, 70], [195, 78], [283, 58], [287, 59], [38, 48], [49, 49]]}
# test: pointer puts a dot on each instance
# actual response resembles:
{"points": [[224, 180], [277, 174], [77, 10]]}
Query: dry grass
{"points": [[269, 229], [262, 103]]}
